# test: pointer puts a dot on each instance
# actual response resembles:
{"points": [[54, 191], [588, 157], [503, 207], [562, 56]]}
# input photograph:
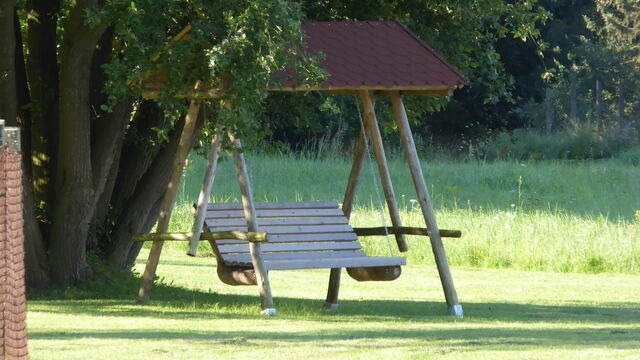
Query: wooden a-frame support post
{"points": [[331, 303], [370, 128], [248, 205], [454, 307], [184, 146], [146, 285], [205, 192]]}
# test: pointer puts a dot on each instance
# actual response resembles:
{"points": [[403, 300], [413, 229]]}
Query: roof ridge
{"points": [[426, 46]]}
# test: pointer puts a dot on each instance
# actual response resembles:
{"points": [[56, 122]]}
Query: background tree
{"points": [[469, 34], [621, 20], [97, 156]]}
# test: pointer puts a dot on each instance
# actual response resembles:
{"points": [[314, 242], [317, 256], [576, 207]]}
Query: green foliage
{"points": [[236, 45], [631, 156], [583, 142], [621, 20], [245, 41], [464, 32], [467, 34]]}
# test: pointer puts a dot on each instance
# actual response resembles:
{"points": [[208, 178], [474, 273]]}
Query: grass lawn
{"points": [[508, 314], [548, 268]]}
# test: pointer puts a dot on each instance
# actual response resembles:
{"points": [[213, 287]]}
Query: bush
{"points": [[631, 156], [584, 142]]}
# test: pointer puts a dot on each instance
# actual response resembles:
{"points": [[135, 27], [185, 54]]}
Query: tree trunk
{"points": [[42, 69], [599, 120], [36, 262], [8, 90], [138, 152], [75, 195], [137, 217], [573, 100], [549, 111], [621, 105], [22, 94]]}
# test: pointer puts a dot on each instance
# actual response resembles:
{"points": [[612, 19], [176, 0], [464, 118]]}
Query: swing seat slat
{"points": [[243, 259]]}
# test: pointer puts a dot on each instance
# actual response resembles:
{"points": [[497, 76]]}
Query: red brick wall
{"points": [[13, 331]]}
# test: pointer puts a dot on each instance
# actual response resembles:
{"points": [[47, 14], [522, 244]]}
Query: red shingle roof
{"points": [[375, 55]]}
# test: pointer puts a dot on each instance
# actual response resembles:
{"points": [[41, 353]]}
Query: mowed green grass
{"points": [[547, 268], [508, 315]]}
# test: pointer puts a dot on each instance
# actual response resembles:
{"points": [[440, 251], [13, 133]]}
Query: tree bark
{"points": [[621, 105], [75, 195], [136, 217], [107, 128], [36, 265], [573, 100], [8, 90], [549, 111], [36, 262], [106, 151], [599, 120], [138, 152], [22, 92], [42, 70]]}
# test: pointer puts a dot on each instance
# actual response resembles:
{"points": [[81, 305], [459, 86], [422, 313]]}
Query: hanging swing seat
{"points": [[301, 235]]}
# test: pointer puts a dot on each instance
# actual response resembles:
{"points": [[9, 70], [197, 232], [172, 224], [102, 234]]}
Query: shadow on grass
{"points": [[534, 337], [485, 326], [182, 303]]}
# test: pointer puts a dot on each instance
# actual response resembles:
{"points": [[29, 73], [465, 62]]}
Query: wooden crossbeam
{"points": [[221, 235], [405, 230]]}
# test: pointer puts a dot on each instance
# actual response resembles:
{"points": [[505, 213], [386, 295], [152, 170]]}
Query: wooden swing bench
{"points": [[250, 239], [301, 235], [294, 236]]}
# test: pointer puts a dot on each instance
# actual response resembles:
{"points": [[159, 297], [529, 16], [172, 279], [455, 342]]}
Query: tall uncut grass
{"points": [[551, 216]]}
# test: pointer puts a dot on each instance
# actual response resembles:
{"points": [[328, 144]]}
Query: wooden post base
{"points": [[269, 312], [330, 307], [455, 310], [334, 288]]}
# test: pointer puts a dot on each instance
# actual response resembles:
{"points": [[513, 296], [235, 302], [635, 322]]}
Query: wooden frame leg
{"points": [[371, 124], [331, 303], [205, 192], [262, 276], [354, 175], [184, 146], [454, 307]]}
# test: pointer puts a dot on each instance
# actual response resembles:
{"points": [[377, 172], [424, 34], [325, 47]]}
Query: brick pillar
{"points": [[13, 331]]}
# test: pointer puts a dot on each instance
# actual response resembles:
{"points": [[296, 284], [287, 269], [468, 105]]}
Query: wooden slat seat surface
{"points": [[274, 213], [306, 235], [329, 263], [278, 205]]}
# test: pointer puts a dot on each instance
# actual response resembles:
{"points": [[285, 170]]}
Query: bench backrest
{"points": [[317, 229]]}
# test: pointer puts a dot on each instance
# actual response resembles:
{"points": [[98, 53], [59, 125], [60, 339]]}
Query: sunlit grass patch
{"points": [[546, 216], [508, 314]]}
